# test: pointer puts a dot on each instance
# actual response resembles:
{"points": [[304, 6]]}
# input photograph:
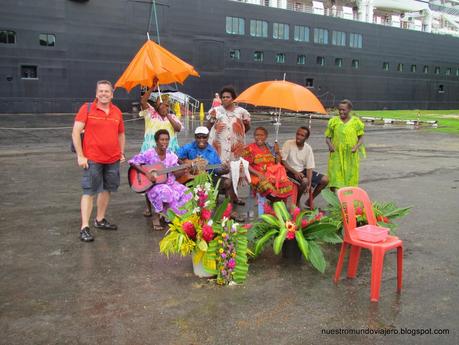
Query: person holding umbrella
{"points": [[344, 135], [158, 117]]}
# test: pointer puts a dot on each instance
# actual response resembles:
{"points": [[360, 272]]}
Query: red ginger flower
{"points": [[304, 223], [189, 230], [295, 214], [206, 214], [207, 233], [228, 210]]}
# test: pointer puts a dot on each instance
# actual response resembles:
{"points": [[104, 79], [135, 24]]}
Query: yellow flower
{"points": [[221, 250], [290, 226], [224, 235]]}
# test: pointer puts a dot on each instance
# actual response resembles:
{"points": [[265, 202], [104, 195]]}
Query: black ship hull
{"points": [[96, 40]]}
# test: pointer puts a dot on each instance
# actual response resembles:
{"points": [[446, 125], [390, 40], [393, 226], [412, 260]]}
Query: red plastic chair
{"points": [[347, 197]]}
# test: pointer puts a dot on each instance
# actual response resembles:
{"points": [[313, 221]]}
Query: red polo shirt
{"points": [[101, 143]]}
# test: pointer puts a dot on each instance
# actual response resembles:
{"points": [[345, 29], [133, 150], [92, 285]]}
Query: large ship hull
{"points": [[96, 40]]}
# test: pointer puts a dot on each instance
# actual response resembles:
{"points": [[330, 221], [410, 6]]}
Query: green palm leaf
{"points": [[316, 257], [260, 244]]}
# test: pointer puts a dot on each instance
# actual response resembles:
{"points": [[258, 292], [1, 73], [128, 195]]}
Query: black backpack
{"points": [[72, 147]]}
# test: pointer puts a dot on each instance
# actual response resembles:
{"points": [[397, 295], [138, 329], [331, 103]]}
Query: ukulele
{"points": [[140, 183]]}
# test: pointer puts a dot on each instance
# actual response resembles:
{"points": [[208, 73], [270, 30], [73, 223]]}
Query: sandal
{"points": [[147, 213], [237, 217], [156, 224]]}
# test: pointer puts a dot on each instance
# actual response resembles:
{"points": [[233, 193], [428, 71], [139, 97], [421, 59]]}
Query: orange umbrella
{"points": [[153, 61], [281, 94]]}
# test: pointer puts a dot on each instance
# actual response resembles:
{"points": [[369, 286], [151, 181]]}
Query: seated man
{"points": [[200, 148], [298, 159]]}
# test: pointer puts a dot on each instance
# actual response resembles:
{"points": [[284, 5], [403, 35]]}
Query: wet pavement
{"points": [[120, 290]]}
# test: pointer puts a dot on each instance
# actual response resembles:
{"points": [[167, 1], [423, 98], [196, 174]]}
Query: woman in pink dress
{"points": [[171, 194]]}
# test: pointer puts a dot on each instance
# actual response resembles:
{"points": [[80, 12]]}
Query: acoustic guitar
{"points": [[140, 183]]}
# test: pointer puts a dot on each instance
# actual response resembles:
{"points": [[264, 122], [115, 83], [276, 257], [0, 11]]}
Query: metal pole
{"points": [[156, 21]]}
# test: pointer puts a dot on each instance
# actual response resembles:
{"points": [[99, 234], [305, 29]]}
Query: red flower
{"points": [[385, 220], [295, 214], [228, 210], [380, 218], [205, 214], [268, 209], [207, 233], [189, 230], [290, 235], [359, 211], [304, 223], [247, 226]]}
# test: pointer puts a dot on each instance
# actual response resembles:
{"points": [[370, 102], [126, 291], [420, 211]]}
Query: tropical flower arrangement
{"points": [[309, 228], [207, 233], [385, 212]]}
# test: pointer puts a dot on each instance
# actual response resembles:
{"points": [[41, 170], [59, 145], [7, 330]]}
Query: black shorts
{"points": [[316, 177], [100, 177]]}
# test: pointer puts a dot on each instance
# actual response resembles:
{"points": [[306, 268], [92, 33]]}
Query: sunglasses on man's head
{"points": [[200, 136]]}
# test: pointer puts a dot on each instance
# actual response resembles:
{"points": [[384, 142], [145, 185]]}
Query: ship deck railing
{"points": [[348, 13]]}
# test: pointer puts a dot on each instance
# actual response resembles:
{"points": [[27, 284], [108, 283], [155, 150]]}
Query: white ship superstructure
{"points": [[435, 16]]}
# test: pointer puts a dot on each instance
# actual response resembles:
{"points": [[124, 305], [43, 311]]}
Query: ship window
{"points": [[280, 31], [339, 38], [280, 58], [235, 26], [47, 40], [457, 72], [309, 82], [425, 69], [448, 71], [320, 36], [320, 60], [355, 63], [385, 66], [301, 59], [29, 72], [400, 67], [441, 88], [339, 62], [301, 33], [7, 37], [258, 56], [413, 68], [258, 28], [437, 70], [235, 54], [355, 40]]}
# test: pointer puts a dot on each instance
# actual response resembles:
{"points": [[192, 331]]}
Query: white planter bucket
{"points": [[199, 270]]}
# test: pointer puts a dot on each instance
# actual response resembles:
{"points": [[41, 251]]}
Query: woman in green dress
{"points": [[344, 139]]}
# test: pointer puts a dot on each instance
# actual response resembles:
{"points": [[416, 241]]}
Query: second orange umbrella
{"points": [[282, 94]]}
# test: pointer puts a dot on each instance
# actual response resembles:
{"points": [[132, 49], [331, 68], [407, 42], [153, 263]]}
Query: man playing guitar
{"points": [[200, 148]]}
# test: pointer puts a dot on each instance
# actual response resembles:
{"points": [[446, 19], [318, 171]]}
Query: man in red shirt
{"points": [[99, 155]]}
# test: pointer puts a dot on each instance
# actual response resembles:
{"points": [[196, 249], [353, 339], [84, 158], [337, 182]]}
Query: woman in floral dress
{"points": [[158, 117], [269, 177], [228, 124], [344, 135], [170, 194]]}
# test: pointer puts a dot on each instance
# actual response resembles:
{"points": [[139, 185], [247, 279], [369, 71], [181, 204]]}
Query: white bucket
{"points": [[198, 268]]}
